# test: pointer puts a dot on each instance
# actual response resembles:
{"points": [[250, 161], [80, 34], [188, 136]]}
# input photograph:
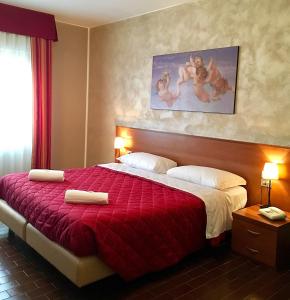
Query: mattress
{"points": [[219, 204], [147, 225]]}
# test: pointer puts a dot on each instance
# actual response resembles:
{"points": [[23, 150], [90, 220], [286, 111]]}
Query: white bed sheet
{"points": [[219, 205]]}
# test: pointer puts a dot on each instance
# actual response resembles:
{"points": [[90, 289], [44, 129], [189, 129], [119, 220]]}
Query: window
{"points": [[15, 103]]}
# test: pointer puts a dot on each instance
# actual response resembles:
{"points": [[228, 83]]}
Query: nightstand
{"points": [[260, 239]]}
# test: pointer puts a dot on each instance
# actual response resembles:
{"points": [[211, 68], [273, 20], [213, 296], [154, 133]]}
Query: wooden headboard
{"points": [[242, 158]]}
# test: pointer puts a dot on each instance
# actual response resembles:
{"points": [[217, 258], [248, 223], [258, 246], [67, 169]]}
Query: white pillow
{"points": [[147, 161], [211, 177]]}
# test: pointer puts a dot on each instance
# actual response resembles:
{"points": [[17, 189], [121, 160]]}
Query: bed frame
{"points": [[245, 159], [242, 158], [80, 270]]}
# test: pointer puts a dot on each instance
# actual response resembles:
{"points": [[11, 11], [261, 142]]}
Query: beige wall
{"points": [[121, 62], [69, 96]]}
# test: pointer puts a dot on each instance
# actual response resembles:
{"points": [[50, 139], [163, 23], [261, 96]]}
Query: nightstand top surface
{"points": [[252, 213]]}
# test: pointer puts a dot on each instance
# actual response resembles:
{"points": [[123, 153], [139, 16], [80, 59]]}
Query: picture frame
{"points": [[203, 81]]}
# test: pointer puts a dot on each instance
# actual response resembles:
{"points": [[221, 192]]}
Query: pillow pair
{"points": [[210, 177]]}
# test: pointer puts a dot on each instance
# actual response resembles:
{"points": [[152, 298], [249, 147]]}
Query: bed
{"points": [[173, 218], [245, 159], [84, 266]]}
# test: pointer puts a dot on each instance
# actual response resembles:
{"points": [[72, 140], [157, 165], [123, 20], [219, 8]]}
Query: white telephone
{"points": [[273, 213]]}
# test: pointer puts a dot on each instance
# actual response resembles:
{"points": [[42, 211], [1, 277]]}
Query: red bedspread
{"points": [[147, 226]]}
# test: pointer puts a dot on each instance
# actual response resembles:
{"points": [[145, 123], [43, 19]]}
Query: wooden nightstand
{"points": [[260, 239]]}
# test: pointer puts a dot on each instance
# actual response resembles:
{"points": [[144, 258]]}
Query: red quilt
{"points": [[146, 227]]}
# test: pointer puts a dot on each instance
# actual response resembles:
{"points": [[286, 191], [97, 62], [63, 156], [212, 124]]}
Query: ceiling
{"points": [[91, 13]]}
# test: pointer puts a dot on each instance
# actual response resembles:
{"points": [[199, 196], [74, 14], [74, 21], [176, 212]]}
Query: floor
{"points": [[207, 275]]}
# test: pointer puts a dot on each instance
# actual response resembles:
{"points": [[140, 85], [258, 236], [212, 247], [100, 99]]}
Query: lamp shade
{"points": [[119, 142], [270, 171]]}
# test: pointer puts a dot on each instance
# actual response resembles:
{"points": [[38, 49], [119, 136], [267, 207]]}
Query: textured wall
{"points": [[69, 96], [121, 62]]}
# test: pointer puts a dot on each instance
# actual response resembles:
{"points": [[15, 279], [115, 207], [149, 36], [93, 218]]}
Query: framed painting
{"points": [[196, 81]]}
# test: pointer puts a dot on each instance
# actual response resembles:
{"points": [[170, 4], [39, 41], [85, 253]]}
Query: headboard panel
{"points": [[245, 159]]}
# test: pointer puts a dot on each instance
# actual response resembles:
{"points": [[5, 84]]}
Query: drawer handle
{"points": [[253, 232], [254, 251]]}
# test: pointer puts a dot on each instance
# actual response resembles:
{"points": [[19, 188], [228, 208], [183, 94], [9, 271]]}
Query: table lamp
{"points": [[269, 173], [118, 144]]}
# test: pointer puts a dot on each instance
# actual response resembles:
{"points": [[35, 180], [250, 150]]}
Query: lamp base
{"points": [[117, 154], [269, 196], [264, 205]]}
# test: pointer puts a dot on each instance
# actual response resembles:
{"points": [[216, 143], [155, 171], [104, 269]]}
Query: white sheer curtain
{"points": [[15, 103]]}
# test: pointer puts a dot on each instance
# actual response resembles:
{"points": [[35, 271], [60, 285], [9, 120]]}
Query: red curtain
{"points": [[41, 70], [41, 28], [27, 22]]}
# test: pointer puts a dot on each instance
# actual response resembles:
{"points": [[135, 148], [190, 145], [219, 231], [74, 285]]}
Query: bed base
{"points": [[80, 270], [12, 219]]}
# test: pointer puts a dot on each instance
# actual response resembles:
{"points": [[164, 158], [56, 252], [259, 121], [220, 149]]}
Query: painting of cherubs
{"points": [[195, 81]]}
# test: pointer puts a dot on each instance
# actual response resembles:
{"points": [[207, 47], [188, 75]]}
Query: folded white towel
{"points": [[46, 175], [75, 196]]}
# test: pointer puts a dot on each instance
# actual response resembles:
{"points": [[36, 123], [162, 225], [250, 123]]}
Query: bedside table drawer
{"points": [[254, 241]]}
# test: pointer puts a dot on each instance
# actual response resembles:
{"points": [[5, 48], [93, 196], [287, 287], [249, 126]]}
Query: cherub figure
{"points": [[194, 70], [218, 83], [162, 87], [187, 71], [210, 75], [198, 61], [199, 82]]}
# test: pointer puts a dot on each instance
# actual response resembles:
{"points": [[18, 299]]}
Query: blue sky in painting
{"points": [[225, 60]]}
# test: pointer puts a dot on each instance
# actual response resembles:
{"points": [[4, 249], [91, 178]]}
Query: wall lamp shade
{"points": [[270, 171], [119, 142]]}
